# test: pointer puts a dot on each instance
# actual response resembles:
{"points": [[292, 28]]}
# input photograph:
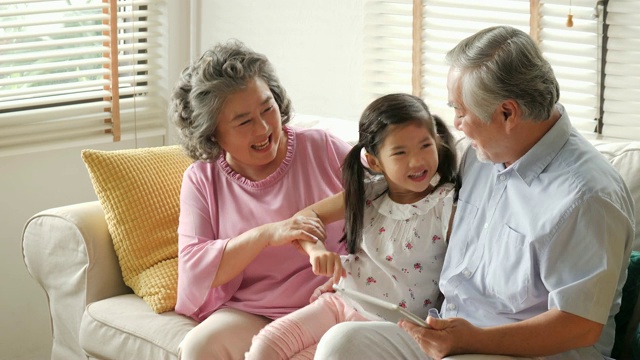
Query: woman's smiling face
{"points": [[250, 131]]}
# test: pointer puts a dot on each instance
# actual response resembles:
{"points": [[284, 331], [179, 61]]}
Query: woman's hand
{"points": [[301, 228]]}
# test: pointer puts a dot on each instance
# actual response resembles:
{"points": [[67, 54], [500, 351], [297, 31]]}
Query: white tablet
{"points": [[384, 309]]}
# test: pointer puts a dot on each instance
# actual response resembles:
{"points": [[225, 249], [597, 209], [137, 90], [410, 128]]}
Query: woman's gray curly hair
{"points": [[204, 86]]}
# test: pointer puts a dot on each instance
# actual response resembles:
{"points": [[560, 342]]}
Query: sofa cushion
{"points": [[626, 320], [124, 327], [139, 190], [625, 157]]}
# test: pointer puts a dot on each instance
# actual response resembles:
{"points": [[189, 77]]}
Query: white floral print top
{"points": [[402, 250]]}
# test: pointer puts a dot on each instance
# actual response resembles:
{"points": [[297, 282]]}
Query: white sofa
{"points": [[69, 252]]}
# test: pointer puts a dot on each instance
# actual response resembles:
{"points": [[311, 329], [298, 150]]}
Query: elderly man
{"points": [[543, 228]]}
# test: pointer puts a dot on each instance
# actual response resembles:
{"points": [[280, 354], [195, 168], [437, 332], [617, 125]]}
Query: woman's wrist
{"points": [[259, 236]]}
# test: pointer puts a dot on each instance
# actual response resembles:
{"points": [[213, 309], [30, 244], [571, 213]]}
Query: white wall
{"points": [[316, 48]]}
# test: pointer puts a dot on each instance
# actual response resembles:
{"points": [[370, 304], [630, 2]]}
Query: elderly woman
{"points": [[237, 267]]}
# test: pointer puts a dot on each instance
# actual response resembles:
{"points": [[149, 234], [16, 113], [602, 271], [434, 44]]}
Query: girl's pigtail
{"points": [[447, 153], [354, 197]]}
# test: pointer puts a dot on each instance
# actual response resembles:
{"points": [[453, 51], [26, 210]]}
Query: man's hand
{"points": [[446, 336], [552, 332]]}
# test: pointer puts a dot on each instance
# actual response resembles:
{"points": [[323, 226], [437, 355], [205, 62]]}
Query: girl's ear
{"points": [[373, 162]]}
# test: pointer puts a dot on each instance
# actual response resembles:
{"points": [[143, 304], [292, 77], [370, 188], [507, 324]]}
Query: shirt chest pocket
{"points": [[509, 271]]}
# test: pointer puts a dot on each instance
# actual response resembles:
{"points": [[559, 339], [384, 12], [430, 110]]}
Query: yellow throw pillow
{"points": [[139, 190]]}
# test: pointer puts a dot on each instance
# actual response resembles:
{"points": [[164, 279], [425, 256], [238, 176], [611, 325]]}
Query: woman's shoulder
{"points": [[310, 133], [202, 165], [316, 136], [200, 169]]}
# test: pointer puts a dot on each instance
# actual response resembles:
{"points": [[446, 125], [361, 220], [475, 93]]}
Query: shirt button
{"points": [[486, 225], [466, 273], [451, 307], [503, 177]]}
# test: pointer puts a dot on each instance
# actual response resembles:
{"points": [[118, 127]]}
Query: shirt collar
{"points": [[529, 166]]}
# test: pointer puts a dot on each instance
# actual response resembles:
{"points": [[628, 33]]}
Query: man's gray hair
{"points": [[500, 63]]}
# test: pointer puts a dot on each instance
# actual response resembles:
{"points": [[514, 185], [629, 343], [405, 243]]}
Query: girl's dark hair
{"points": [[392, 109]]}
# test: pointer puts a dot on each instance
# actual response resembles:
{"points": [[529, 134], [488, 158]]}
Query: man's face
{"points": [[485, 137]]}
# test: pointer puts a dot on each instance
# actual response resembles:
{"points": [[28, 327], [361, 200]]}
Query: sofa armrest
{"points": [[69, 252]]}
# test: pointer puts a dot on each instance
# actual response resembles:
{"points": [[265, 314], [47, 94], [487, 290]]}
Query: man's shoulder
{"points": [[588, 167]]}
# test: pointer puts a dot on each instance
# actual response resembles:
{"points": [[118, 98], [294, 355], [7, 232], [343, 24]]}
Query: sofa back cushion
{"points": [[139, 190], [625, 157]]}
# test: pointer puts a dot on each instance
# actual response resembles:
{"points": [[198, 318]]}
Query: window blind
{"points": [[622, 70], [445, 23], [78, 73], [388, 47], [573, 52]]}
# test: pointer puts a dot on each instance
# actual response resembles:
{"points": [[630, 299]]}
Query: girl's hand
{"points": [[326, 263], [301, 228], [326, 287]]}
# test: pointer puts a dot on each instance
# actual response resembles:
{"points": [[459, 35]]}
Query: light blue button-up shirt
{"points": [[553, 230]]}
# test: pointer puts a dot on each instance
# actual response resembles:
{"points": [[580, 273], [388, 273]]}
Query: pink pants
{"points": [[296, 335]]}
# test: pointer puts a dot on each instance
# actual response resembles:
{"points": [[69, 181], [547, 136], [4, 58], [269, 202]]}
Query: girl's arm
{"points": [[328, 210], [324, 262]]}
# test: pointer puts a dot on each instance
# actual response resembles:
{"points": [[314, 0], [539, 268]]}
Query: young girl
{"points": [[396, 225]]}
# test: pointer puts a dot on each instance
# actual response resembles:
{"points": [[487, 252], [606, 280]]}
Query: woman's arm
{"points": [[243, 249], [207, 259]]}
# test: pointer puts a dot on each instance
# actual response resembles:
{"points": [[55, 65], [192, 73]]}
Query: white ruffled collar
{"points": [[392, 209]]}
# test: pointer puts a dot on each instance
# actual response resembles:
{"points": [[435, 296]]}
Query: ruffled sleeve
{"points": [[199, 249]]}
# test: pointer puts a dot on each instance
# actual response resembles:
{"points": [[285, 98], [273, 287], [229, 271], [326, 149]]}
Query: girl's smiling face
{"points": [[408, 158], [250, 131]]}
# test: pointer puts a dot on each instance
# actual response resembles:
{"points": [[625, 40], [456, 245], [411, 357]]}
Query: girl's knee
{"points": [[281, 339], [262, 350]]}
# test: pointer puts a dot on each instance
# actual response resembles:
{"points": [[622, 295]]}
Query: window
{"points": [[415, 36], [78, 72], [621, 104]]}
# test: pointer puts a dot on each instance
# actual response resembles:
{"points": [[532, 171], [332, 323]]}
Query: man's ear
{"points": [[373, 162], [510, 112]]}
